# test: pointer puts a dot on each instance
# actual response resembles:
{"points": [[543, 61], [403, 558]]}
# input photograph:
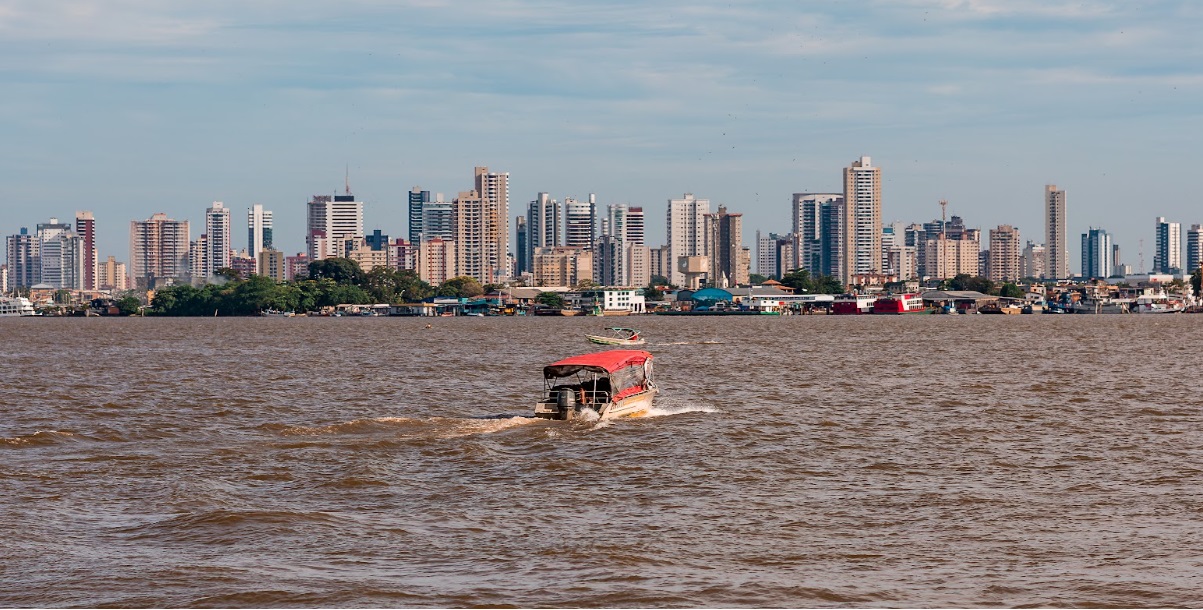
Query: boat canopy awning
{"points": [[601, 362]]}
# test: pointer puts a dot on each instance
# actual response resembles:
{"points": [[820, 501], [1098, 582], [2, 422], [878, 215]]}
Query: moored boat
{"points": [[899, 304], [613, 383], [16, 306], [618, 336], [1157, 302], [852, 304]]}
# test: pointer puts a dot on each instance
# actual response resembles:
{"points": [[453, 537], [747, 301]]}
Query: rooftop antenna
{"points": [[943, 216], [347, 180], [1142, 256]]}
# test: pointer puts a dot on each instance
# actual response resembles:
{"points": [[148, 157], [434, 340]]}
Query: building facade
{"points": [[1194, 248], [1055, 244], [545, 227], [85, 228], [218, 245], [158, 251], [24, 268], [331, 221], [1097, 255], [1167, 258], [562, 266], [482, 228], [729, 260], [686, 228], [1003, 265], [259, 230], [435, 260], [861, 242], [580, 222]]}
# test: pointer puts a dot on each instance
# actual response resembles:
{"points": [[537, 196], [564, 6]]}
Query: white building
{"points": [[332, 221], [259, 230], [808, 230], [686, 233], [862, 219], [580, 222], [1167, 258], [544, 227], [613, 300], [218, 246], [1194, 248]]}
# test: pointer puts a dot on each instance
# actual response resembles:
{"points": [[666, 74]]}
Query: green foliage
{"points": [[1196, 281], [388, 285], [551, 299], [460, 287], [128, 305], [1011, 290], [802, 282], [651, 293], [659, 280], [228, 273], [342, 270], [254, 295], [756, 278], [964, 281]]}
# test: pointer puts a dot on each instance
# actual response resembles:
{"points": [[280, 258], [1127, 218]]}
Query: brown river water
{"points": [[803, 461]]}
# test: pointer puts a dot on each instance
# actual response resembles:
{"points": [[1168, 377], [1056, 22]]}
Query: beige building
{"points": [[946, 258], [861, 219], [561, 266], [686, 230], [1056, 248], [481, 227], [435, 260], [158, 250], [1004, 254], [111, 275], [362, 252], [1033, 263], [272, 264]]}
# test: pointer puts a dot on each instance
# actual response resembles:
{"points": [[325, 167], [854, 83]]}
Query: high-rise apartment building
{"points": [[272, 264], [218, 246], [1168, 256], [1055, 244], [729, 260], [112, 275], [562, 266], [522, 238], [332, 222], [636, 231], [831, 240], [544, 227], [258, 230], [686, 232], [1096, 254], [1033, 263], [1004, 254], [85, 228], [1194, 248], [580, 222], [807, 211], [417, 200], [158, 250], [429, 216], [862, 219], [24, 267], [60, 255], [435, 260], [481, 227], [609, 261]]}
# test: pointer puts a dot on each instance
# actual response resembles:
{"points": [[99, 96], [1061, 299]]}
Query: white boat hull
{"points": [[603, 340]]}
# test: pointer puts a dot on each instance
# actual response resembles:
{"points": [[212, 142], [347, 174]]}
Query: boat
{"points": [[852, 304], [1157, 302], [610, 384], [618, 336], [1099, 305], [16, 306], [899, 304]]}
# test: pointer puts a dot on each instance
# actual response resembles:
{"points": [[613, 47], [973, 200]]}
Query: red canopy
{"points": [[608, 361]]}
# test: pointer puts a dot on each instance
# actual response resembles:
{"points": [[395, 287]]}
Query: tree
{"points": [[652, 293], [964, 281], [342, 270], [659, 280], [586, 284], [1196, 281], [756, 278], [128, 305], [460, 287], [1011, 290], [553, 300], [230, 274]]}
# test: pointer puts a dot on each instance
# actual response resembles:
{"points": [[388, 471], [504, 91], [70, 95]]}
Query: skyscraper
{"points": [[1034, 261], [686, 232], [24, 268], [85, 228], [635, 225], [1056, 247], [158, 250], [1194, 248], [332, 221], [481, 227], [1096, 254], [218, 247], [1168, 256], [808, 225], [1004, 254], [59, 255], [544, 227], [580, 222], [862, 219], [417, 200], [259, 230], [729, 260]]}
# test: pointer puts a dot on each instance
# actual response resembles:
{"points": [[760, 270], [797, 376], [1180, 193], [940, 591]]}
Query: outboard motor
{"points": [[566, 400]]}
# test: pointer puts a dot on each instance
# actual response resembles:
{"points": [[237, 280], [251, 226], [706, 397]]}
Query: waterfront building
{"points": [[638, 264], [610, 299], [1004, 254], [861, 223], [272, 264], [418, 198], [112, 275], [482, 227], [807, 209], [769, 248], [609, 261], [686, 227], [435, 260], [1167, 258], [259, 230], [661, 262], [197, 266], [60, 256], [952, 251], [1096, 254], [729, 259], [85, 228], [831, 242], [1194, 248], [218, 246], [1033, 263], [24, 268], [331, 221], [562, 266], [544, 224], [1056, 246], [580, 222], [158, 251], [429, 217], [366, 254]]}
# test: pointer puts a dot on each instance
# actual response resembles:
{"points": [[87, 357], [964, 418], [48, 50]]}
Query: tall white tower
{"points": [[686, 232]]}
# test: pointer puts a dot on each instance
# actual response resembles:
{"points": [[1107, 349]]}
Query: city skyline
{"points": [[977, 102]]}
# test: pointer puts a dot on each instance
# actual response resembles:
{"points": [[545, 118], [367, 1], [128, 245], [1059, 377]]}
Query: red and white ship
{"points": [[852, 304], [899, 304]]}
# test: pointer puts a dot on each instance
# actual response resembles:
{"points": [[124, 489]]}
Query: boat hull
{"points": [[634, 405], [603, 340]]}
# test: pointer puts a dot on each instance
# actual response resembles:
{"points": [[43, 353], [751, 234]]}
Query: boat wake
{"points": [[670, 408], [710, 342], [436, 427]]}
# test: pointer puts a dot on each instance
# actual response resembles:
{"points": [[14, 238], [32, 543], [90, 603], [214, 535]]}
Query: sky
{"points": [[131, 107]]}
